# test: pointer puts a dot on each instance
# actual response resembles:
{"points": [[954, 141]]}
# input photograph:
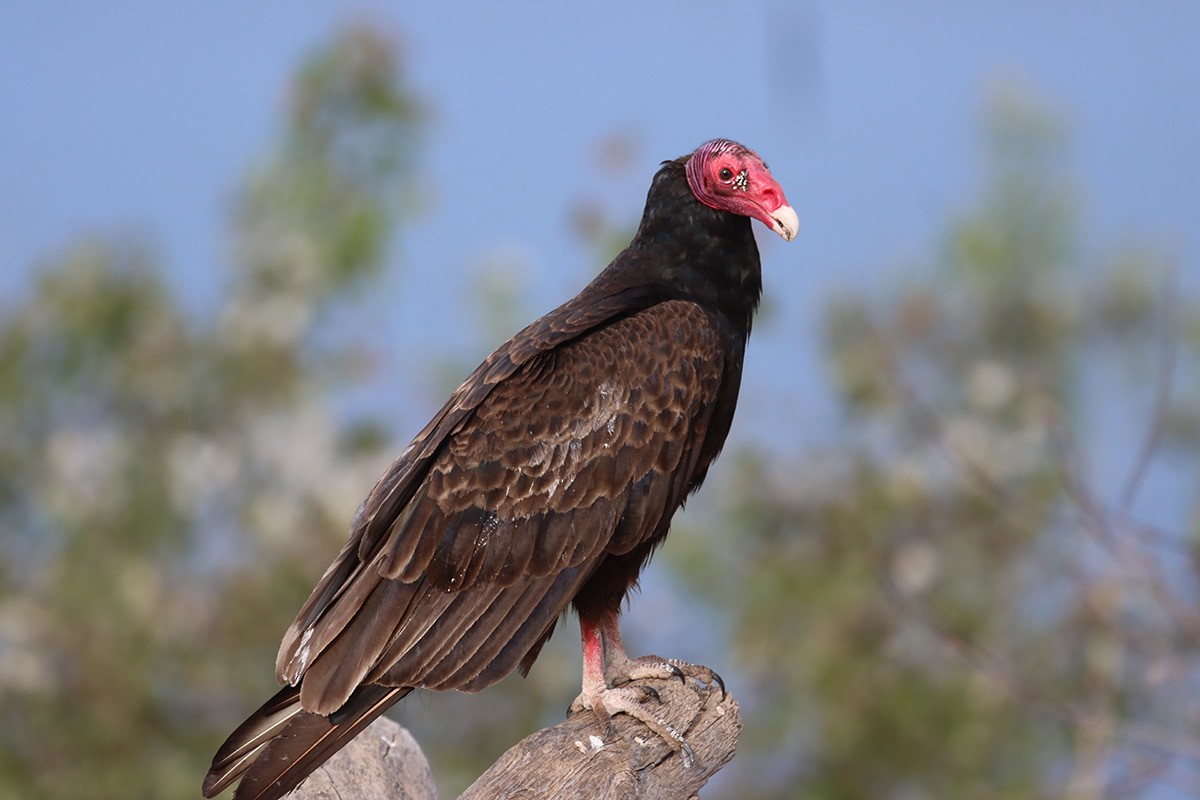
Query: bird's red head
{"points": [[731, 177]]}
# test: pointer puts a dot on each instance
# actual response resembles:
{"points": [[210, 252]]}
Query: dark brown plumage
{"points": [[546, 480]]}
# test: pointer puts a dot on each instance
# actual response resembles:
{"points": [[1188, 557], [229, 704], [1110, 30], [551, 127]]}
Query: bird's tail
{"points": [[281, 744]]}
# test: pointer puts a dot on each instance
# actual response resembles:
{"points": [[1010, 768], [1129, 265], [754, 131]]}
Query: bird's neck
{"points": [[706, 255]]}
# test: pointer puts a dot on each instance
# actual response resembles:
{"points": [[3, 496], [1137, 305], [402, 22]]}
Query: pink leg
{"points": [[608, 674], [593, 658], [620, 668]]}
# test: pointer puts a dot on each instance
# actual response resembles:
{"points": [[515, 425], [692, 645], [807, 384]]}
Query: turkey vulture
{"points": [[546, 481]]}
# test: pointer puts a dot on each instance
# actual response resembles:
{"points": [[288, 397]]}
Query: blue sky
{"points": [[141, 117]]}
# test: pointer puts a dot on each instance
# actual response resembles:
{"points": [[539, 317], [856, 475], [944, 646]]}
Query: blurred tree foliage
{"points": [[166, 484], [946, 606]]}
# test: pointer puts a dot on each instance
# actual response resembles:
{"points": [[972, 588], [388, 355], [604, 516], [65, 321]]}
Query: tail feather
{"points": [[281, 744], [244, 744]]}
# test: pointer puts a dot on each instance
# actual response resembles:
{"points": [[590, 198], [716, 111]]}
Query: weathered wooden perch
{"points": [[570, 761], [384, 761]]}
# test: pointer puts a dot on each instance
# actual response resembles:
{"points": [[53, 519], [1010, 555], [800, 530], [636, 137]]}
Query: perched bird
{"points": [[546, 481]]}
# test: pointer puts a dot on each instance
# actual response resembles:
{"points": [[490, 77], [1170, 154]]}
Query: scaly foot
{"points": [[631, 699], [618, 672], [609, 683]]}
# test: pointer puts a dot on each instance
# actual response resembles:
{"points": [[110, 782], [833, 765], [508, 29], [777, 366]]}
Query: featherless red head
{"points": [[731, 177]]}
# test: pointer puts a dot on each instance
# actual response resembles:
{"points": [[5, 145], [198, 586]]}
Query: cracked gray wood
{"points": [[569, 761]]}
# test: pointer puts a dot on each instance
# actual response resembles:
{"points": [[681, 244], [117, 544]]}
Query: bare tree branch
{"points": [[573, 760], [382, 761], [1167, 353]]}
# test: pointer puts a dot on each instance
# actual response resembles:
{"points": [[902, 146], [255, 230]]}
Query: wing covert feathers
{"points": [[574, 455]]}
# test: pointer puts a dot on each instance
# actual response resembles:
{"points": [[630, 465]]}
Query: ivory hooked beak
{"points": [[787, 224]]}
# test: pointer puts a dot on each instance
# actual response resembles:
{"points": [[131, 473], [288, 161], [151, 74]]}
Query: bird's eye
{"points": [[725, 174]]}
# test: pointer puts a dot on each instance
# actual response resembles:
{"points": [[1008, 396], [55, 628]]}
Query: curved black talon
{"points": [[677, 672], [610, 731], [720, 683], [650, 691], [687, 754]]}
